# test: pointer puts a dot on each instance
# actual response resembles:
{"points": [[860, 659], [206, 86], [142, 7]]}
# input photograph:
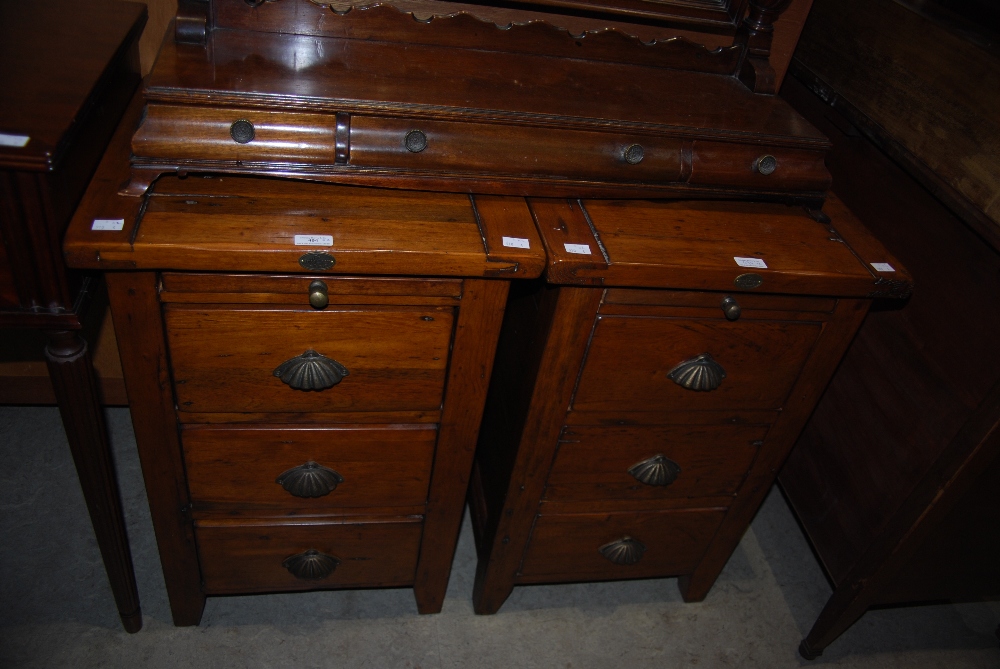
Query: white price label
{"points": [[108, 224], [883, 267], [517, 242], [581, 249], [750, 262], [314, 240], [17, 141]]}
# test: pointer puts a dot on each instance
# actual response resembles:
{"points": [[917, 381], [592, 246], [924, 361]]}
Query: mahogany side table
{"points": [[69, 71]]}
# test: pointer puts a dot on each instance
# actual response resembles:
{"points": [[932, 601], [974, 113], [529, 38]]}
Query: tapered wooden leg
{"points": [[842, 610], [74, 383]]}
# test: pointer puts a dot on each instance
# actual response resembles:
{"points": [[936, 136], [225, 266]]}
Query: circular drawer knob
{"points": [[658, 470], [731, 308], [634, 154], [318, 296], [310, 480], [415, 141], [311, 565], [311, 371], [765, 165], [698, 373], [624, 551], [242, 132]]}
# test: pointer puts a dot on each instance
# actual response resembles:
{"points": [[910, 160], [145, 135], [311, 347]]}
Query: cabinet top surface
{"points": [[54, 54], [333, 74]]}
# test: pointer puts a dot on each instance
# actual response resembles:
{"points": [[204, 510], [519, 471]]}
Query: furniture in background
{"points": [[649, 388], [69, 70], [895, 477]]}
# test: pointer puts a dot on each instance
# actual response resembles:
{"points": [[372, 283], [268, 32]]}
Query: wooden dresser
{"points": [[649, 388], [307, 366]]}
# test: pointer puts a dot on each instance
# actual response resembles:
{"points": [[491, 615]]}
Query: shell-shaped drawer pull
{"points": [[310, 480], [311, 565], [658, 470], [624, 551], [699, 373], [311, 371]]}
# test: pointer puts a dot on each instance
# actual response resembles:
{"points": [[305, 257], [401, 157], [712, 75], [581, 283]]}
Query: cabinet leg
{"points": [[842, 610], [490, 590], [74, 383]]}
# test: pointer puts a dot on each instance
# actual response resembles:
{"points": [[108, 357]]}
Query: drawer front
{"points": [[569, 547], [630, 361], [651, 462], [516, 150], [235, 469], [261, 557], [224, 359], [208, 134], [719, 163]]}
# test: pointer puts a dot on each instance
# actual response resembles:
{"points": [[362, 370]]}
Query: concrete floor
{"points": [[56, 608]]}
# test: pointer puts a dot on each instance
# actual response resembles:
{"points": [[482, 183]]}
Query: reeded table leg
{"points": [[74, 383]]}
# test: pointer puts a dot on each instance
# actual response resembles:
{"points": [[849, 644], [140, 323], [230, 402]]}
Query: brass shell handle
{"points": [[242, 131], [765, 165], [699, 373], [731, 308], [311, 371], [624, 551], [318, 295], [415, 141], [634, 154], [658, 470], [311, 565], [310, 480]]}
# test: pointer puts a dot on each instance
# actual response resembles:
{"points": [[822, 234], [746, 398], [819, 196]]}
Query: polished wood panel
{"points": [[224, 358], [247, 557], [235, 469]]}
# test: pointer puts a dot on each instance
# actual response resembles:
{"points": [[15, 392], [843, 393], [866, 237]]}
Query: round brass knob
{"points": [[730, 308], [415, 141], [765, 165], [242, 132], [634, 154], [318, 297]]}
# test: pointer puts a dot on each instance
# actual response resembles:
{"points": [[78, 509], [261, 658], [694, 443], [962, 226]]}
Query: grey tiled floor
{"points": [[56, 608]]}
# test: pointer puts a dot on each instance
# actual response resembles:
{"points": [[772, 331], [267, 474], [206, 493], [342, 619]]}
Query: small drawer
{"points": [[307, 555], [236, 469], [510, 149], [598, 546], [651, 462], [386, 359], [635, 363], [763, 167]]}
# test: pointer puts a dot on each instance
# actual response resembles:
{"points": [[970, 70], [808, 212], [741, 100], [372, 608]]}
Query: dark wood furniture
{"points": [[895, 477], [68, 73], [648, 389], [306, 409]]}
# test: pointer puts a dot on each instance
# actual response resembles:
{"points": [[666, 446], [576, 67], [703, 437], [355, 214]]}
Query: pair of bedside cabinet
{"points": [[309, 366]]}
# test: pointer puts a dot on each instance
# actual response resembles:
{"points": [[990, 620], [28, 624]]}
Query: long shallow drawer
{"points": [[224, 359], [237, 470], [263, 557], [651, 462], [631, 362], [600, 546]]}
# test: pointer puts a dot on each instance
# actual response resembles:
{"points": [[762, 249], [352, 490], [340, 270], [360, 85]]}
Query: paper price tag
{"points": [[581, 249], [517, 242], [17, 141], [314, 240], [108, 224], [883, 267], [750, 262]]}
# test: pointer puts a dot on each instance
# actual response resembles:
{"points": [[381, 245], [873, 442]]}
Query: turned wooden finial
{"points": [[755, 34]]}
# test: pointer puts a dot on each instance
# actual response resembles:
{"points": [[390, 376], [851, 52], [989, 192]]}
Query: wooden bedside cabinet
{"points": [[307, 366], [648, 389]]}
